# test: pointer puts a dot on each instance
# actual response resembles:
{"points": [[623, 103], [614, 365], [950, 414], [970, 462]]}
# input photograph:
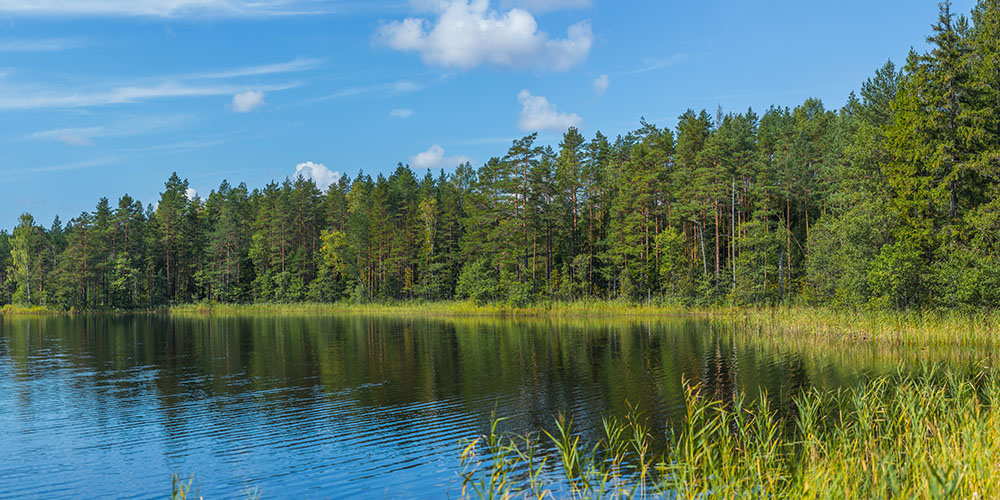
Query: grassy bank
{"points": [[14, 310], [933, 436], [796, 322], [440, 309], [793, 323]]}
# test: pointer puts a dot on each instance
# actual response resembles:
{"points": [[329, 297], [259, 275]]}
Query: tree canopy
{"points": [[891, 201]]}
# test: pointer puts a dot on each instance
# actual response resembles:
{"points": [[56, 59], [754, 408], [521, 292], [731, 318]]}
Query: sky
{"points": [[99, 98]]}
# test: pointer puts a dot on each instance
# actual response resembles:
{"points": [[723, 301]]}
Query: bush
{"points": [[896, 276], [478, 282]]}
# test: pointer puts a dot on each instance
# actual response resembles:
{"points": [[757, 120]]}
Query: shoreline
{"points": [[820, 324]]}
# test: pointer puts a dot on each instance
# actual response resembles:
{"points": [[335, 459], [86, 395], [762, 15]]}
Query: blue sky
{"points": [[105, 97]]}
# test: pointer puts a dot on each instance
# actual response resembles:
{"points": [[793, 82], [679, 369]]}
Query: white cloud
{"points": [[322, 176], [74, 136], [295, 65], [537, 114], [601, 84], [545, 5], [46, 45], [46, 95], [434, 158], [15, 95], [400, 87], [107, 160], [245, 102], [191, 193], [467, 33], [401, 113], [84, 136], [164, 8], [655, 64]]}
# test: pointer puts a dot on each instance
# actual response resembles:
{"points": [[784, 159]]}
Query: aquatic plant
{"points": [[936, 435]]}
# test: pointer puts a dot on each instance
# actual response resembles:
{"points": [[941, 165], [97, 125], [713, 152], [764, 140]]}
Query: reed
{"points": [[594, 308], [16, 310], [818, 324], [936, 435]]}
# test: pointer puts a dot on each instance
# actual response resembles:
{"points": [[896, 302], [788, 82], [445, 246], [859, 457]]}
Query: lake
{"points": [[355, 406]]}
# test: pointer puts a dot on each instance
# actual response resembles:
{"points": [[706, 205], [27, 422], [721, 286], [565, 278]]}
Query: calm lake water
{"points": [[352, 406]]}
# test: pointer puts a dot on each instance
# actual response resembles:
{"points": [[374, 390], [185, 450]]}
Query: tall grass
{"points": [[15, 310], [881, 327], [590, 308], [932, 436], [898, 328]]}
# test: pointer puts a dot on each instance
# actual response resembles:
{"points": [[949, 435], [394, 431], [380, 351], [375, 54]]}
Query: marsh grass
{"points": [[904, 328], [15, 310], [821, 325], [936, 435], [415, 308], [180, 490]]}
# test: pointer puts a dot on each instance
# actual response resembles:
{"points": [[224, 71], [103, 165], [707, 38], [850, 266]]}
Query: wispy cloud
{"points": [[545, 5], [400, 87], [172, 8], [74, 136], [41, 45], [180, 146], [96, 162], [601, 85], [295, 65], [22, 98], [19, 96], [401, 113], [654, 64], [84, 136]]}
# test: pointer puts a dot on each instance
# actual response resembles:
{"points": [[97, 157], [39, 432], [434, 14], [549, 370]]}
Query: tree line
{"points": [[890, 201]]}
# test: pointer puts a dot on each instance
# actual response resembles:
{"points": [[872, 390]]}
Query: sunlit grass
{"points": [[439, 308], [875, 327], [16, 310], [814, 323], [932, 436]]}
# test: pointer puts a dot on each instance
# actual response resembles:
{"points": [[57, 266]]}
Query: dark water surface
{"points": [[351, 406]]}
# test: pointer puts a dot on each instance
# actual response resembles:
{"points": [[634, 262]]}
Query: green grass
{"points": [[802, 324], [15, 310], [933, 436], [814, 324], [438, 309], [900, 328]]}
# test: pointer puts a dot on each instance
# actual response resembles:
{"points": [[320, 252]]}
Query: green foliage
{"points": [[478, 282], [896, 276], [922, 436], [891, 201], [513, 291]]}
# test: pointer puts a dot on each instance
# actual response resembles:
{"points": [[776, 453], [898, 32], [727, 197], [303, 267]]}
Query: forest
{"points": [[891, 202]]}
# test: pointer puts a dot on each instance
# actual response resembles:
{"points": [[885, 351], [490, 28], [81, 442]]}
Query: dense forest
{"points": [[892, 201]]}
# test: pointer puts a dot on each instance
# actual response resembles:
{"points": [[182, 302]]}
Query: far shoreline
{"points": [[916, 328]]}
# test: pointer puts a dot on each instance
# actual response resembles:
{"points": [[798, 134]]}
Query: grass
{"points": [[905, 328], [818, 324], [932, 436], [15, 310], [438, 309]]}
